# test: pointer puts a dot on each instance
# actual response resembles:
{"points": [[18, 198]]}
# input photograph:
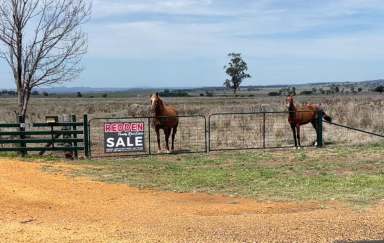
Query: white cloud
{"points": [[105, 8], [259, 29]]}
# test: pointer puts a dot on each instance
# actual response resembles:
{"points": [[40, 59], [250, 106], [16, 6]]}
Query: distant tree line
{"points": [[5, 92], [379, 89], [174, 93], [333, 89]]}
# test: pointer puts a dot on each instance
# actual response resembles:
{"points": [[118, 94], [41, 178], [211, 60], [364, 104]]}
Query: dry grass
{"points": [[364, 111]]}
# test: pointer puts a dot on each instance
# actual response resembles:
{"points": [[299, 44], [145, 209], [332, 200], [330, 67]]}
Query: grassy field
{"points": [[350, 174], [363, 110]]}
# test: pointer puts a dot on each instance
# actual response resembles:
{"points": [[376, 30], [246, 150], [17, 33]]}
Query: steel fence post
{"points": [[87, 147], [149, 136], [209, 133], [320, 142], [264, 129]]}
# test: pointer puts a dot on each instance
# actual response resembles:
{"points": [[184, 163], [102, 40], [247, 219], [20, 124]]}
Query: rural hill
{"points": [[366, 85]]}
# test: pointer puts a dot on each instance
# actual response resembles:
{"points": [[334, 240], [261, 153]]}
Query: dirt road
{"points": [[45, 207]]}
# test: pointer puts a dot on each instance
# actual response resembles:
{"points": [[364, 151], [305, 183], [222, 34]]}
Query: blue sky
{"points": [[184, 43]]}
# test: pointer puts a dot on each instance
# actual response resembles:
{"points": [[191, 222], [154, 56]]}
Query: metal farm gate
{"points": [[190, 136], [267, 130], [220, 132], [70, 137], [258, 130]]}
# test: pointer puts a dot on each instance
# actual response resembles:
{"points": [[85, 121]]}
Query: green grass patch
{"points": [[349, 174]]}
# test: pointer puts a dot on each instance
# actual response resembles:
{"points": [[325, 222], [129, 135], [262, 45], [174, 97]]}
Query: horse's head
{"points": [[156, 102], [289, 101]]}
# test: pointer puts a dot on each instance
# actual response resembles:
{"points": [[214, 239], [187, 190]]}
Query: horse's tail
{"points": [[327, 118]]}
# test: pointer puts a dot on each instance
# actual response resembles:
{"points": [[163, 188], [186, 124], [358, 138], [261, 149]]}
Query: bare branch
{"points": [[42, 41]]}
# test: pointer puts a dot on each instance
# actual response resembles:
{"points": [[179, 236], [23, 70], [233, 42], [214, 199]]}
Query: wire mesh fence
{"points": [[190, 136], [230, 131]]}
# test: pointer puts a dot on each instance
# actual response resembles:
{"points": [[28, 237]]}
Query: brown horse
{"points": [[166, 119], [304, 115]]}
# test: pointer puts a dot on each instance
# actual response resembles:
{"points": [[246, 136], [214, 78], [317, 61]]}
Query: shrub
{"points": [[176, 93], [379, 89], [306, 92], [209, 94], [274, 93]]}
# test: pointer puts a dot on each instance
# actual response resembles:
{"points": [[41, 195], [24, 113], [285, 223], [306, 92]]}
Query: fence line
{"points": [[241, 131], [196, 134]]}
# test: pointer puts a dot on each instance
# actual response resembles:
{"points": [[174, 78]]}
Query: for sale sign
{"points": [[121, 137]]}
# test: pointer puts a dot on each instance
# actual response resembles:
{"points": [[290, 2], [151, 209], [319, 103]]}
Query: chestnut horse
{"points": [[304, 115], [166, 119]]}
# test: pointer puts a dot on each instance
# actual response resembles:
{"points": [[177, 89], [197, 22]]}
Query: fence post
{"points": [[86, 137], [149, 136], [209, 133], [23, 145], [74, 127], [264, 129], [319, 130], [205, 134]]}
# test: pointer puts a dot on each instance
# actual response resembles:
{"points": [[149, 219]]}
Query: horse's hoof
{"points": [[315, 144], [168, 152], [159, 151]]}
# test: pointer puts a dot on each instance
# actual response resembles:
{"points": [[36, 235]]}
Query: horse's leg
{"points": [[293, 127], [167, 133], [174, 131], [298, 135], [158, 139]]}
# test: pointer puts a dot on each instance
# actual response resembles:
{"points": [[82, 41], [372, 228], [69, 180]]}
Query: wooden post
{"points": [[23, 145]]}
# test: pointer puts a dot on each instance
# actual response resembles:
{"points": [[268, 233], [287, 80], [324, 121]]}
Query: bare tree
{"points": [[42, 42]]}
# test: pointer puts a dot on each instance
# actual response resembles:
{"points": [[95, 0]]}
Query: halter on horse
{"points": [[304, 115], [166, 119]]}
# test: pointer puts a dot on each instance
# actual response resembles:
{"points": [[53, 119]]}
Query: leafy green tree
{"points": [[237, 71], [379, 89]]}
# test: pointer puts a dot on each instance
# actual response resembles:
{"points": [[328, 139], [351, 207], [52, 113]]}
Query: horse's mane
{"points": [[160, 106]]}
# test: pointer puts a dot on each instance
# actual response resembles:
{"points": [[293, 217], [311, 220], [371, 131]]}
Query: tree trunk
{"points": [[23, 99]]}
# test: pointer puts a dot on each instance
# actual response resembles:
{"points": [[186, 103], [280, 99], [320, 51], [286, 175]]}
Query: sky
{"points": [[184, 43]]}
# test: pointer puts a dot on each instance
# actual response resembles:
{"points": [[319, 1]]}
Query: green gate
{"points": [[49, 136]]}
